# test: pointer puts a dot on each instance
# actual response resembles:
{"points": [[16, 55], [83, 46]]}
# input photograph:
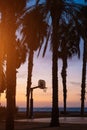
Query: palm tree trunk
{"points": [[11, 75], [29, 79], [55, 14], [55, 109], [63, 74], [10, 21], [83, 85]]}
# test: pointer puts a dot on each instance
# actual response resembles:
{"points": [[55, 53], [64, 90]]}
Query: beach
{"points": [[44, 114], [44, 126], [41, 121]]}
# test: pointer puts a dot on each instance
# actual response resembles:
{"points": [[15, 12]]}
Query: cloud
{"points": [[75, 83]]}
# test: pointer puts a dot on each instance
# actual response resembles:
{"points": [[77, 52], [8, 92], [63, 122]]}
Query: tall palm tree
{"points": [[61, 9], [84, 36], [83, 84], [10, 10], [82, 27], [55, 9], [50, 6], [69, 46], [34, 33]]}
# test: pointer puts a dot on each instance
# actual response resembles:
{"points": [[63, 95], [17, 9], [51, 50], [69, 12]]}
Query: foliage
{"points": [[34, 31]]}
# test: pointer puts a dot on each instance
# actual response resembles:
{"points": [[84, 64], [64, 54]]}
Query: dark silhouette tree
{"points": [[69, 46], [55, 9], [81, 26], [34, 33], [70, 10], [9, 12], [83, 31], [83, 84]]}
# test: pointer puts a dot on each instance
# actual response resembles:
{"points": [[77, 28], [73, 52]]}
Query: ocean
{"points": [[49, 109]]}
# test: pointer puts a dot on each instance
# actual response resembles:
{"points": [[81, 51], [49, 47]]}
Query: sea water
{"points": [[49, 109]]}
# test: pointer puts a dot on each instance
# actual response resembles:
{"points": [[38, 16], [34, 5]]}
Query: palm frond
{"points": [[35, 31], [47, 40]]}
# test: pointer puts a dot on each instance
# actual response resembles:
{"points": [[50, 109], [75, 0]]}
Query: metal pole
{"points": [[31, 104], [31, 100]]}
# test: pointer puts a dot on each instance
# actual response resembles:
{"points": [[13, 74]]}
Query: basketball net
{"points": [[45, 89]]}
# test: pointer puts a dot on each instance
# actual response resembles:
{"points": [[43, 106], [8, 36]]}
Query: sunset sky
{"points": [[42, 69]]}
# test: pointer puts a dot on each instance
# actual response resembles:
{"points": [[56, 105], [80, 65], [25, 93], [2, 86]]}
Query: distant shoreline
{"points": [[45, 113], [49, 109], [21, 115]]}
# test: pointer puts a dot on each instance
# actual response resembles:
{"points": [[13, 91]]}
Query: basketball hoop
{"points": [[42, 84]]}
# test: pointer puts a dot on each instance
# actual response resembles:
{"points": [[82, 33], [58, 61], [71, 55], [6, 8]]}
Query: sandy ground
{"points": [[44, 126], [41, 122]]}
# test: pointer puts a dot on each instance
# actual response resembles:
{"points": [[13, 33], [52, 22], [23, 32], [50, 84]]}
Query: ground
{"points": [[41, 121], [44, 126]]}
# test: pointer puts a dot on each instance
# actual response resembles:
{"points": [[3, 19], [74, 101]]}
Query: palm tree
{"points": [[50, 6], [83, 85], [84, 35], [10, 10], [82, 30], [81, 26], [34, 33], [57, 15], [69, 46], [55, 9]]}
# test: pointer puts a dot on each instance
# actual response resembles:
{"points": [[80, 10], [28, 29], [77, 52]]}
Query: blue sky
{"points": [[80, 1]]}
